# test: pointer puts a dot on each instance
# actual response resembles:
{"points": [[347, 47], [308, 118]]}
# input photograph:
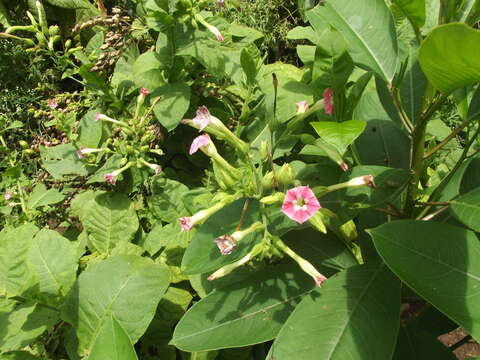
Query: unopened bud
{"points": [[268, 181], [286, 175], [273, 199], [263, 151]]}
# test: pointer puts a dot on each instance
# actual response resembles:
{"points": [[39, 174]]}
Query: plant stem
{"points": [[447, 139], [401, 111]]}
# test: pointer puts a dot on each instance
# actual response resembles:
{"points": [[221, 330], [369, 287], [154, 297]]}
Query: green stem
{"points": [[447, 139]]}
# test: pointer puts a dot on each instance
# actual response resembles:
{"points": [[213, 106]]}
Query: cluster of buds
{"points": [[299, 203], [136, 142], [117, 37]]}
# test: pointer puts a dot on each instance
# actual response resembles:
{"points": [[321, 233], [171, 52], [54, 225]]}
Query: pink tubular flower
{"points": [[320, 279], [203, 117], [328, 101], [8, 195], [144, 91], [300, 204], [98, 116], [110, 178], [198, 142], [186, 223], [302, 106], [344, 166], [226, 244]]}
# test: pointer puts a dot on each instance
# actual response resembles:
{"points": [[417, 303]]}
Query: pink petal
{"points": [[198, 142], [185, 223], [144, 91], [203, 117], [320, 279], [294, 212]]}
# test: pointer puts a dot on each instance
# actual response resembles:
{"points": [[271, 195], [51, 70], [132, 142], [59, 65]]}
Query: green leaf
{"points": [[90, 131], [168, 236], [438, 261], [417, 344], [467, 209], [448, 57], [112, 343], [173, 104], [55, 262], [414, 10], [71, 4], [166, 199], [343, 319], [202, 254], [19, 355], [40, 196], [111, 220], [3, 15], [21, 324], [113, 163], [127, 287], [249, 65], [340, 135], [147, 71], [62, 160], [303, 33], [15, 275], [368, 28], [244, 313]]}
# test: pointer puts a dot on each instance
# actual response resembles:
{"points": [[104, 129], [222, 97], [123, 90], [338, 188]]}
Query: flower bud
{"points": [[268, 181], [273, 199], [286, 175], [263, 151]]}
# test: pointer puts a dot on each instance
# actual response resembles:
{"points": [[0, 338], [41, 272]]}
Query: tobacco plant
{"points": [[204, 204]]}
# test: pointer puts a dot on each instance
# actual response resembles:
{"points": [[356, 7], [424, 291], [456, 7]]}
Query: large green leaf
{"points": [[90, 131], [19, 355], [467, 209], [368, 28], [344, 318], [111, 220], [128, 287], [165, 202], [202, 254], [449, 58], [62, 160], [340, 135], [147, 71], [54, 259], [21, 324], [112, 343], [40, 196], [439, 261], [417, 344], [173, 104], [15, 275], [244, 313], [414, 10]]}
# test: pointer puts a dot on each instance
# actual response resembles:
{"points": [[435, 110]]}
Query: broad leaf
{"points": [[340, 135], [414, 10], [173, 104], [368, 28], [417, 344], [15, 275], [111, 220], [165, 201], [147, 71], [128, 287], [244, 313], [40, 196], [21, 324], [90, 131], [71, 4], [344, 318], [440, 262], [112, 343], [467, 209], [202, 254], [449, 58], [61, 160], [54, 260]]}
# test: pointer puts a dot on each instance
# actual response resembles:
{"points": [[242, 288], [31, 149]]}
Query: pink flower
{"points": [[320, 279], [344, 166], [186, 223], [52, 104], [80, 154], [157, 169], [110, 178], [144, 91], [300, 204], [302, 106], [8, 195], [328, 101], [98, 116], [198, 142], [203, 117]]}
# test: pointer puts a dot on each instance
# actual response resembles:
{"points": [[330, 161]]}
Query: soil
{"points": [[469, 348]]}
